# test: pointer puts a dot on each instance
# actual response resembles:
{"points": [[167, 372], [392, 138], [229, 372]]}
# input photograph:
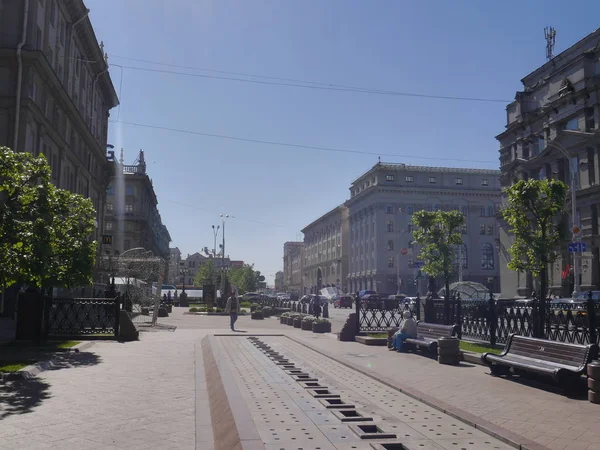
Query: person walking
{"points": [[317, 307], [232, 308]]}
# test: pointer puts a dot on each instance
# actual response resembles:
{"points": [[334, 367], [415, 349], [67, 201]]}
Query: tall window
{"points": [[482, 229], [461, 255], [391, 246], [389, 209], [108, 225], [128, 208], [490, 211], [130, 190], [110, 190], [487, 257], [389, 177], [391, 262], [109, 207], [464, 210], [490, 229], [410, 209], [437, 208], [482, 211], [390, 226]]}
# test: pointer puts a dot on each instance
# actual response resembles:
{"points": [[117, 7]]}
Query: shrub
{"points": [[321, 320], [310, 319], [245, 305], [267, 311], [253, 307], [286, 314], [194, 309]]}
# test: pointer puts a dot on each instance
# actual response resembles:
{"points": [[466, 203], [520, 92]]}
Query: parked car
{"points": [[343, 302], [364, 292], [372, 301]]}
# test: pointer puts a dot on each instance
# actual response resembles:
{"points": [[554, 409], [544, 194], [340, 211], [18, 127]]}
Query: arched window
{"points": [[391, 246], [490, 211], [482, 211], [461, 255], [487, 257]]}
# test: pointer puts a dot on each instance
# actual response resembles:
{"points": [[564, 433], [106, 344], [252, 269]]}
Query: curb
{"points": [[34, 369], [478, 423]]}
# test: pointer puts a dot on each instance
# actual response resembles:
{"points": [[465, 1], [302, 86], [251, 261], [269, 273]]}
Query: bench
{"points": [[561, 361], [428, 335]]}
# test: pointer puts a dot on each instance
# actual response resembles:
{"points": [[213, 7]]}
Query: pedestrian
{"points": [[232, 308], [317, 307], [408, 329], [169, 297], [164, 298]]}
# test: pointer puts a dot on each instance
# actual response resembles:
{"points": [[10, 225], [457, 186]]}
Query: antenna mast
{"points": [[550, 35]]}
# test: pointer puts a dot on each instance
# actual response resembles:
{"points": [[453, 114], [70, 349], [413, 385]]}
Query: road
{"points": [[338, 317]]}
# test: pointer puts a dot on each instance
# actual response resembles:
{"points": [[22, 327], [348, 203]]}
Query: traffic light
{"points": [[107, 239]]}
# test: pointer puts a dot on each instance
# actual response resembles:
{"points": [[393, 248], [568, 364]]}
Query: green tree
{"points": [[44, 231], [533, 213], [438, 234], [205, 273], [244, 278]]}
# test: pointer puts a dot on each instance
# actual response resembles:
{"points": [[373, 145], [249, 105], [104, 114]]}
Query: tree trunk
{"points": [[541, 326], [447, 298]]}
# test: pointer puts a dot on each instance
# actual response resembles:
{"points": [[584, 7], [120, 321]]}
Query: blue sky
{"points": [[458, 48]]}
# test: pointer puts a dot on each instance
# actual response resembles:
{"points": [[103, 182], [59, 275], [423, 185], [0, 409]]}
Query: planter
{"points": [[290, 321], [283, 320], [321, 327], [257, 315], [297, 322], [307, 326]]}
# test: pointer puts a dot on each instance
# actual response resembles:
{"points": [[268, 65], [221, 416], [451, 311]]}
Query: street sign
{"points": [[418, 264], [577, 247], [575, 229], [403, 251], [419, 276]]}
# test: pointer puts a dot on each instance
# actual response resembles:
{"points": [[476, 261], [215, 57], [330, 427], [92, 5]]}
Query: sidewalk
{"points": [[547, 418]]}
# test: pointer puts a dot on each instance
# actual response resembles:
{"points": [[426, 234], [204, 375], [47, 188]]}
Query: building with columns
{"points": [[553, 131], [292, 267], [326, 248], [382, 202]]}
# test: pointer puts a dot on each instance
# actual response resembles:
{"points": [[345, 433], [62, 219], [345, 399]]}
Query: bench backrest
{"points": [[434, 330], [572, 355]]}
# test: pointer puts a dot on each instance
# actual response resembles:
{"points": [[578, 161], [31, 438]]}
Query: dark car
{"points": [[343, 302], [371, 301]]}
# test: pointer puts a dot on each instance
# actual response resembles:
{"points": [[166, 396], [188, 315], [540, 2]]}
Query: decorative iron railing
{"points": [[82, 316], [383, 314]]}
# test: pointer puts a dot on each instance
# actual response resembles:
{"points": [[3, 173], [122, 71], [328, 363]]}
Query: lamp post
{"points": [[215, 234], [224, 218], [183, 273]]}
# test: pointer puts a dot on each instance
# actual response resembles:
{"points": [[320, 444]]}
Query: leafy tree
{"points": [[205, 273], [438, 234], [244, 278], [44, 231], [533, 214]]}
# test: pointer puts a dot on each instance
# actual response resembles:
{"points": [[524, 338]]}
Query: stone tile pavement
{"points": [[139, 395]]}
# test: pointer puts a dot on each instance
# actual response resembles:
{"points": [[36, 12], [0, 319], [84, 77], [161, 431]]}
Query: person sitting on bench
{"points": [[408, 329]]}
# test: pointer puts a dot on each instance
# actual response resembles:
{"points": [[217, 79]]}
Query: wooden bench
{"points": [[561, 361], [428, 335]]}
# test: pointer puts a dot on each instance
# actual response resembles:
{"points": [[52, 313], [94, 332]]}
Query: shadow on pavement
{"points": [[21, 396], [72, 360]]}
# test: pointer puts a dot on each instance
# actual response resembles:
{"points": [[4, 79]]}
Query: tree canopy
{"points": [[45, 232]]}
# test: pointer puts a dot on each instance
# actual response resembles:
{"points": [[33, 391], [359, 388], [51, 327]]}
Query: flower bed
{"points": [[307, 323], [321, 326], [284, 318]]}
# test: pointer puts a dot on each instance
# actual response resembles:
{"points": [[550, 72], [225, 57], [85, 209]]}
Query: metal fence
{"points": [[81, 316], [378, 316]]}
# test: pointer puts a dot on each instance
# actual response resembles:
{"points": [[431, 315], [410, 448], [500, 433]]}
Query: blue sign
{"points": [[577, 247], [418, 264]]}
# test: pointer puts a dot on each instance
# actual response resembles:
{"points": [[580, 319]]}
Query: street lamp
{"points": [[183, 273], [215, 234], [224, 218]]}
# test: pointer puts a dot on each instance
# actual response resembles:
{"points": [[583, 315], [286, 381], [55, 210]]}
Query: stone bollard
{"points": [[593, 373], [448, 351]]}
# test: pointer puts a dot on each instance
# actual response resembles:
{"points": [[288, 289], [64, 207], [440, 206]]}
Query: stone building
{"points": [[279, 281], [382, 202], [188, 268], [552, 130], [131, 215], [56, 93], [326, 248], [292, 267], [173, 271]]}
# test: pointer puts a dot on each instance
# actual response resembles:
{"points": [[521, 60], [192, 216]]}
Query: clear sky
{"points": [[448, 48]]}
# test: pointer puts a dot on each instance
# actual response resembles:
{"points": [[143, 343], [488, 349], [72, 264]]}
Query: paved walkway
{"points": [[143, 394]]}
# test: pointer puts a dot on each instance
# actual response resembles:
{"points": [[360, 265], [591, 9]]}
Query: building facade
{"points": [[292, 267], [188, 268], [279, 281], [552, 130], [174, 262], [131, 214], [56, 93], [326, 248], [382, 202]]}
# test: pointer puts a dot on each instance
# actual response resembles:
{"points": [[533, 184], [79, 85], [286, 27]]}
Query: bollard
{"points": [[593, 373], [448, 351]]}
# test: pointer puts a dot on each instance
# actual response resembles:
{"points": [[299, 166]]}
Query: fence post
{"points": [[418, 306], [117, 315], [591, 314], [458, 315], [357, 302], [493, 318]]}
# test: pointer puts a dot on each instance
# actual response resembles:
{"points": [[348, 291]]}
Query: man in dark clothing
{"points": [[232, 308]]}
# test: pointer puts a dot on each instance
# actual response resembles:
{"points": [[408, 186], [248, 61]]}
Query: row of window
{"points": [[410, 209], [432, 180], [487, 257]]}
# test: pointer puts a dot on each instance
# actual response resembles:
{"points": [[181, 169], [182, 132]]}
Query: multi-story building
{"points": [[292, 267], [56, 93], [173, 272], [326, 248], [188, 268], [279, 281], [131, 214], [382, 202], [553, 130]]}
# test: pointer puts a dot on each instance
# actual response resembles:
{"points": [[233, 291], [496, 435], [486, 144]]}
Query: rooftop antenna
{"points": [[550, 35]]}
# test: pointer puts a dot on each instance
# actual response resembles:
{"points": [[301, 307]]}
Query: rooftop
{"points": [[327, 214]]}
